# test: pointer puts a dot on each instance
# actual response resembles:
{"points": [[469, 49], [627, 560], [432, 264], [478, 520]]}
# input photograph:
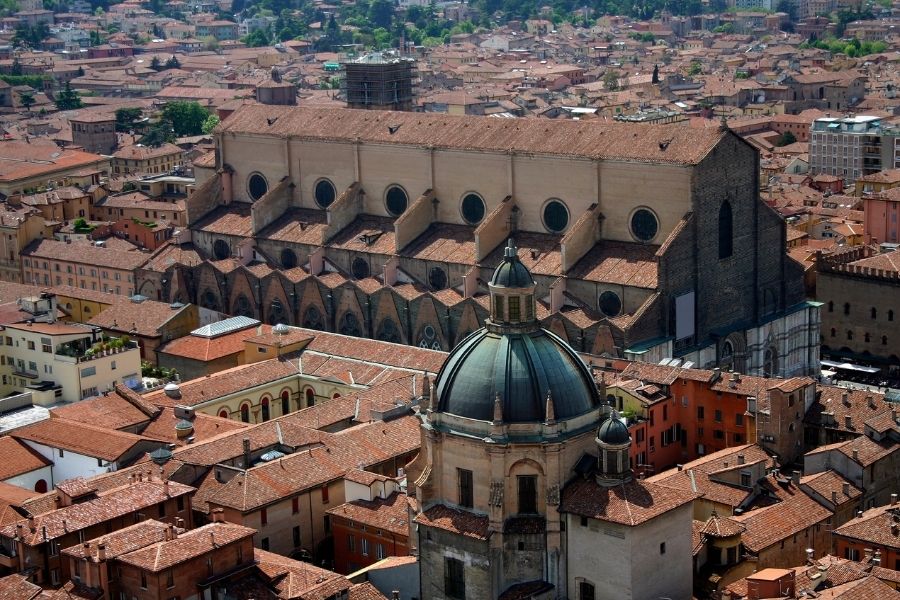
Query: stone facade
{"points": [[431, 261]]}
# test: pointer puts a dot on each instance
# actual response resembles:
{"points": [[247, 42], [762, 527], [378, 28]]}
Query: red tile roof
{"points": [[207, 349], [186, 546], [18, 458], [111, 505], [455, 521], [631, 503], [17, 587], [875, 526], [389, 514], [82, 438]]}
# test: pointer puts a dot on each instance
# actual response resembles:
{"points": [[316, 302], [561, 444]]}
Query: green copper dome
{"points": [[536, 376]]}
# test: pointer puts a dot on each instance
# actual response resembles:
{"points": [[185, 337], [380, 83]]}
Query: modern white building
{"points": [[847, 147]]}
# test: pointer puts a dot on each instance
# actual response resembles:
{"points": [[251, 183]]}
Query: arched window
{"points": [[223, 413], [350, 325], [265, 409], [40, 486], [277, 314], [831, 306], [874, 313], [890, 315], [285, 402], [242, 306], [245, 413], [726, 230], [884, 340], [846, 308], [310, 397], [428, 338], [209, 300], [312, 319], [335, 395], [770, 362], [388, 332], [586, 591]]}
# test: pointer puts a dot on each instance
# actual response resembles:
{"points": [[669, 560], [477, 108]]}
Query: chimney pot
{"points": [[893, 499], [834, 499], [741, 459], [795, 477], [101, 551], [848, 421], [855, 455], [680, 467], [846, 489], [845, 398]]}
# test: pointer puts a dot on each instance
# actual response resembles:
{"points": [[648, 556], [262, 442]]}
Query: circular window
{"points": [[257, 186], [324, 193], [556, 216], [473, 209], [429, 331], [395, 200], [221, 249], [437, 278], [644, 225], [609, 304], [288, 258], [360, 268]]}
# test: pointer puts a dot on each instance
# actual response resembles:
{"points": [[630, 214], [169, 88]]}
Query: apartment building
{"points": [[62, 361], [848, 147], [102, 265], [147, 159]]}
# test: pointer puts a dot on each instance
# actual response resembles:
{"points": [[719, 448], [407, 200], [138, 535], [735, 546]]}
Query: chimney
{"points": [[20, 533], [31, 523], [218, 515], [246, 453], [179, 523], [166, 487], [795, 477], [740, 459], [848, 421], [867, 552], [893, 499], [809, 555], [856, 456], [845, 398], [846, 489], [834, 499], [395, 595], [680, 467], [870, 400], [876, 559], [101, 551]]}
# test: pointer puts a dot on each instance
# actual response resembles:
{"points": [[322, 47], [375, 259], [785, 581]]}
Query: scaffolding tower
{"points": [[380, 81]]}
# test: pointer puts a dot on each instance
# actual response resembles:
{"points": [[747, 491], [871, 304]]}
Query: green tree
{"points": [[126, 118], [26, 99], [68, 99], [186, 118], [786, 139], [611, 80], [155, 63], [655, 79], [173, 63], [380, 13], [210, 123], [256, 39], [695, 68], [158, 134]]}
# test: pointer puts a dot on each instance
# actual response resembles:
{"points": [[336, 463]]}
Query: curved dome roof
{"points": [[521, 367], [511, 273], [613, 432]]}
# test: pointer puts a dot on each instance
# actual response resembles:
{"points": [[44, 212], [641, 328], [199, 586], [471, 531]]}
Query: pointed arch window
{"points": [[726, 230]]}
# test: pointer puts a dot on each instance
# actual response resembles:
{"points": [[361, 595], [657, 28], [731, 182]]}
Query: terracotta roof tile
{"points": [[121, 541], [631, 503], [619, 263], [146, 318], [661, 143], [862, 450], [390, 514], [186, 546], [114, 255], [207, 349], [17, 587], [110, 505], [455, 521], [18, 458], [82, 438], [875, 526]]}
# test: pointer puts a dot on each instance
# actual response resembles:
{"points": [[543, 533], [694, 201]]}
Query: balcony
{"points": [[83, 350]]}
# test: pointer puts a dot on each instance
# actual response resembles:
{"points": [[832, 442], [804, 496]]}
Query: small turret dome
{"points": [[511, 273], [613, 432]]}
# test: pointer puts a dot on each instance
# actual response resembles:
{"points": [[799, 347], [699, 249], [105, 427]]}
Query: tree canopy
{"points": [[68, 99], [185, 118]]}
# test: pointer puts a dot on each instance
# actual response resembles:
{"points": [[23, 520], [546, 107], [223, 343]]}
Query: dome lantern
{"points": [[614, 444], [512, 292]]}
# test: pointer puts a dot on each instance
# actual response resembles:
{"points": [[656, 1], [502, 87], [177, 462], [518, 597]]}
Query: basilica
{"points": [[645, 242], [523, 483]]}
